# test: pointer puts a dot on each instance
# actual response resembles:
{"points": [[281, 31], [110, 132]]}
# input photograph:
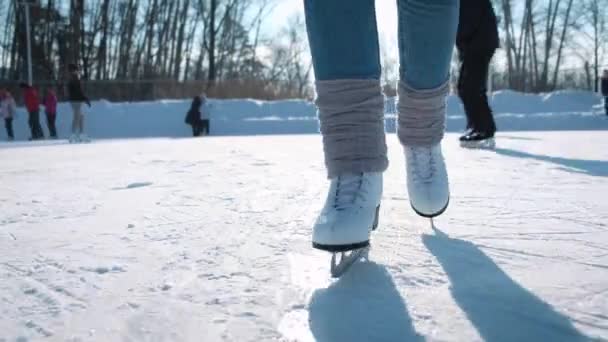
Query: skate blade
{"points": [[487, 144], [342, 261], [340, 248]]}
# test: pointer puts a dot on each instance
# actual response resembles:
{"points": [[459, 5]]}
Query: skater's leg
{"points": [[462, 76], [50, 121], [37, 128], [8, 124], [470, 89], [344, 46], [53, 125], [81, 123], [75, 117], [198, 126], [427, 33], [486, 111], [475, 92], [30, 123], [606, 104], [205, 127]]}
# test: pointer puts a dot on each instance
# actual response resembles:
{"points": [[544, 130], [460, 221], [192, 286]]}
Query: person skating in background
{"points": [[7, 111], [605, 89], [343, 40], [77, 98], [205, 115], [477, 40], [50, 109], [193, 117], [32, 104]]}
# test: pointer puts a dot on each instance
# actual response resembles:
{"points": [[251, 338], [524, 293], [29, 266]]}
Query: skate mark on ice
{"points": [[363, 305], [104, 269], [138, 185], [594, 265], [512, 137], [50, 298], [39, 329], [261, 163], [134, 186], [492, 301]]}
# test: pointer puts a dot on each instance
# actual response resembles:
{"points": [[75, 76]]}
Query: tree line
{"points": [[545, 44], [214, 41]]}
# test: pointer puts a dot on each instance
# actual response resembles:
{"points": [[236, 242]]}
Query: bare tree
{"points": [[590, 43], [535, 48]]}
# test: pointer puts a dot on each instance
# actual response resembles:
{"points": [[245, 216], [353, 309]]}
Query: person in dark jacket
{"points": [[77, 98], [477, 40], [193, 117], [605, 89], [32, 104]]}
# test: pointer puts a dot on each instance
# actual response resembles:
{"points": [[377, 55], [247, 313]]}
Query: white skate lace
{"points": [[423, 164], [348, 189]]}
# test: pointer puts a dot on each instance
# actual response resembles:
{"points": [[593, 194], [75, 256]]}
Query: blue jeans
{"points": [[343, 40]]}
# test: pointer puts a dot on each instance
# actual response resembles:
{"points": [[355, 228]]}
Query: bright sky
{"points": [[386, 14]]}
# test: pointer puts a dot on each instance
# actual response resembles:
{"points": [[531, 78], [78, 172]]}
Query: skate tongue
{"points": [[346, 191], [424, 165]]}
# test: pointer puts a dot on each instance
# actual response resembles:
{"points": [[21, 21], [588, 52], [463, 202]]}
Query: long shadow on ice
{"points": [[498, 307], [597, 168], [363, 305]]}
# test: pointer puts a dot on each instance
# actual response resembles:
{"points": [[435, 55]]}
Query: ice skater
{"points": [[344, 46], [477, 40], [77, 98], [8, 108], [193, 117], [32, 104], [50, 109]]}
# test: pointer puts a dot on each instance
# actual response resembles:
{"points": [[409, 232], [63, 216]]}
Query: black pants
{"points": [[196, 129], [472, 89], [34, 123], [8, 124], [606, 104], [205, 126], [50, 120]]}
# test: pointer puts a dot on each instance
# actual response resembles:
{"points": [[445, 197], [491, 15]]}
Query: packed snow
{"points": [[208, 239]]}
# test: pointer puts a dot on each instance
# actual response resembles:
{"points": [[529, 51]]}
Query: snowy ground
{"points": [[209, 240]]}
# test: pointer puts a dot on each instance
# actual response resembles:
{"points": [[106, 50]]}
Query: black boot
{"points": [[466, 133], [478, 139]]}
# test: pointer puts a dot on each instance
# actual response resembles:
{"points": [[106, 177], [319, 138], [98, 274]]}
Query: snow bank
{"points": [[562, 110], [508, 101]]}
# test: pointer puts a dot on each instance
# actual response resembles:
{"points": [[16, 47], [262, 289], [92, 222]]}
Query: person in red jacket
{"points": [[50, 109], [32, 104]]}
